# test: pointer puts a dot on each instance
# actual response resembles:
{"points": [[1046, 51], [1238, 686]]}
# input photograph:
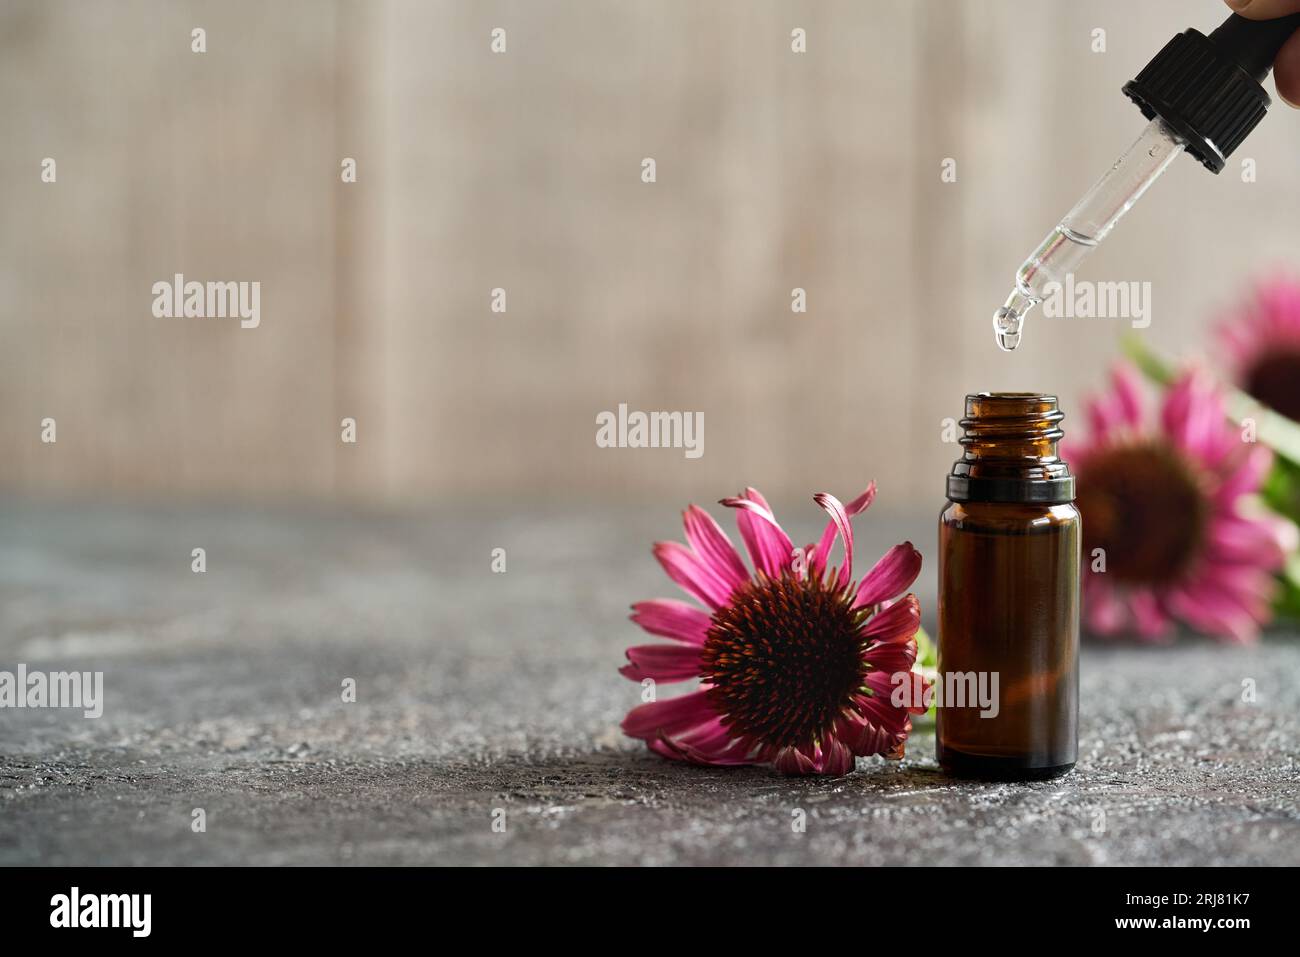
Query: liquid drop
{"points": [[1006, 326]]}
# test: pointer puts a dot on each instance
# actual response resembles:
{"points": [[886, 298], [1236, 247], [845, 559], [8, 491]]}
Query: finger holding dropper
{"points": [[1286, 65]]}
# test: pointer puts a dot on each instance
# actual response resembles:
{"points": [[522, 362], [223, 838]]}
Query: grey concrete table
{"points": [[479, 691]]}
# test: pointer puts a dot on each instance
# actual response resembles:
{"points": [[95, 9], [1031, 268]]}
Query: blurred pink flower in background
{"points": [[795, 660], [1171, 504], [1262, 340]]}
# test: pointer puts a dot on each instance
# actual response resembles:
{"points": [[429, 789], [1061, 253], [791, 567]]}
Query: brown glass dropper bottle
{"points": [[1009, 576]]}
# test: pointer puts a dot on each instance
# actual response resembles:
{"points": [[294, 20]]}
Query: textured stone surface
{"points": [[479, 691]]}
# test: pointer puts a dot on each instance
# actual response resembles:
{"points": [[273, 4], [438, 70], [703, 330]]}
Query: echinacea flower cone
{"points": [[797, 664]]}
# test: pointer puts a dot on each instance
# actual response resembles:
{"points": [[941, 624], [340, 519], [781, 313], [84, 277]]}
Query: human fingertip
{"points": [[1286, 72]]}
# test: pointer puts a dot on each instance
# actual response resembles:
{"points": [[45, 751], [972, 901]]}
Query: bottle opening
{"points": [[1009, 450]]}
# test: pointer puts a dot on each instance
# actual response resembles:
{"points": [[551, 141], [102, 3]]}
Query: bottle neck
{"points": [[1010, 451]]}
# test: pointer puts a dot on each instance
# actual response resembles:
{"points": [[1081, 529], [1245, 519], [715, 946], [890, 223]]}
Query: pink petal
{"points": [[895, 692], [770, 548], [1105, 419], [883, 728], [711, 744], [1239, 344], [891, 576], [863, 501], [662, 662], [1213, 612], [830, 757], [1178, 414], [670, 716], [898, 622], [891, 657], [840, 519], [1254, 585], [1128, 394], [793, 761], [865, 737], [711, 544], [1282, 530], [1152, 621], [1261, 543], [1247, 476], [1193, 416], [919, 692], [860, 504], [711, 737], [696, 578], [1237, 586], [674, 619], [834, 757], [1177, 407], [1104, 610], [879, 705]]}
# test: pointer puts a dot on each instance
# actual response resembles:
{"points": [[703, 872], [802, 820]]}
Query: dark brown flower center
{"points": [[1142, 504], [1275, 380], [783, 658]]}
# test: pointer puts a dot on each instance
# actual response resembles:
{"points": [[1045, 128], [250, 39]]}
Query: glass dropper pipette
{"points": [[1086, 225], [1202, 95]]}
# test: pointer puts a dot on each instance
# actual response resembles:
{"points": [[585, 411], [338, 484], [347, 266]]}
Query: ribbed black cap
{"points": [[1208, 88]]}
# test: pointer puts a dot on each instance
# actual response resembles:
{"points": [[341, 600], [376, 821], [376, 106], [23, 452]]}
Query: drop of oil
{"points": [[1007, 324]]}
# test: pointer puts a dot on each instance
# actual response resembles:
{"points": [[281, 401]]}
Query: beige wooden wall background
{"points": [[521, 171]]}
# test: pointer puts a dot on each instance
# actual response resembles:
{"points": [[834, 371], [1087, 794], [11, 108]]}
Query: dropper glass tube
{"points": [[1086, 225]]}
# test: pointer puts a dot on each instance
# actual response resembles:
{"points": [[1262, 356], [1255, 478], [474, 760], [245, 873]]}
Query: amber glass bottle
{"points": [[1009, 552]]}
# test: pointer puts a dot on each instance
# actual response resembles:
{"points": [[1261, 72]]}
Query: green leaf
{"points": [[1281, 488], [1287, 603], [1150, 364], [926, 653], [927, 663]]}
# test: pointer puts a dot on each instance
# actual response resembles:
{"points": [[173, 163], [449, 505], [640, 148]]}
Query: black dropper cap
{"points": [[1208, 88]]}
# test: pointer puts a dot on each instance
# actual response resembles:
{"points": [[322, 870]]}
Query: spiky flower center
{"points": [[784, 658], [1275, 380], [1143, 506]]}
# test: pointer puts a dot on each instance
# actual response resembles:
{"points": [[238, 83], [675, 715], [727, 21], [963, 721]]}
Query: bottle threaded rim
{"points": [[1009, 451]]}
